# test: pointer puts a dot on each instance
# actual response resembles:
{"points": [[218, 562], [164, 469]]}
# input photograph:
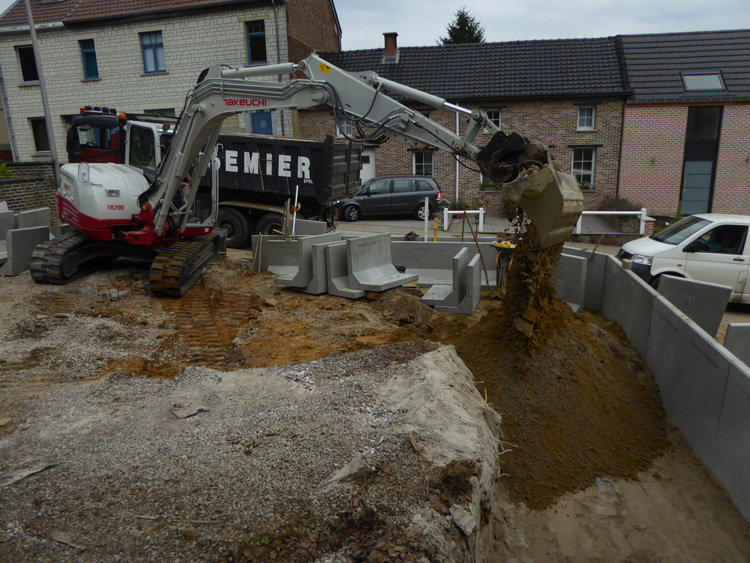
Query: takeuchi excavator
{"points": [[117, 210]]}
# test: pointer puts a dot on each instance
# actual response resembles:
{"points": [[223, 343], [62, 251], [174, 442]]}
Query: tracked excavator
{"points": [[119, 211]]}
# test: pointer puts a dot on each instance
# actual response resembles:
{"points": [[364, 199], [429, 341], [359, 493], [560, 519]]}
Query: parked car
{"points": [[392, 195], [706, 247]]}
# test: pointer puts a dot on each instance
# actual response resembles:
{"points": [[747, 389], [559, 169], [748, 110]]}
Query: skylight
{"points": [[703, 82]]}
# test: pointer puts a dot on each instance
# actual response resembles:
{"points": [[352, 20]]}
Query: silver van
{"points": [[707, 247]]}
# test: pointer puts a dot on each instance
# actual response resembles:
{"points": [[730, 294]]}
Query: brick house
{"points": [[141, 57], [686, 147], [568, 94]]}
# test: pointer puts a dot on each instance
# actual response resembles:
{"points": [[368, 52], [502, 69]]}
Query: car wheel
{"points": [[655, 282], [351, 213], [270, 224], [237, 225], [419, 213]]}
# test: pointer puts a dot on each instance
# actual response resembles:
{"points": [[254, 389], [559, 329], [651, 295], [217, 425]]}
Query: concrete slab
{"points": [[732, 457], [370, 265], [737, 341], [703, 302], [305, 227], [337, 271], [571, 281], [40, 217], [628, 300], [20, 244], [691, 369]]}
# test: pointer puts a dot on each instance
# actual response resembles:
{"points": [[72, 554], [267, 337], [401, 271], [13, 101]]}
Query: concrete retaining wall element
{"points": [[292, 261], [337, 271], [305, 227], [596, 263], [627, 299], [571, 280], [371, 266], [703, 302], [431, 261], [259, 246], [732, 454], [19, 246], [737, 341], [34, 218], [462, 296], [704, 387], [7, 222]]}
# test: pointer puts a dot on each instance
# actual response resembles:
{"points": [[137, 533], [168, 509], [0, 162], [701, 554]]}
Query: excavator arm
{"points": [[551, 199]]}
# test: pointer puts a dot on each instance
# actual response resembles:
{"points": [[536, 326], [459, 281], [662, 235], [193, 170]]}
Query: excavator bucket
{"points": [[551, 199]]}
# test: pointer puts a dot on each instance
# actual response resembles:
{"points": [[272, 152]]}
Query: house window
{"points": [[167, 112], [495, 117], [39, 129], [344, 129], [28, 63], [586, 118], [583, 167], [152, 46], [88, 55], [703, 82], [423, 163], [256, 42]]}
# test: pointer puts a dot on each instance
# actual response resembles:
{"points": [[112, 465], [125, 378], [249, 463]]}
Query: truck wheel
{"points": [[351, 213], [270, 224], [237, 225], [419, 213]]}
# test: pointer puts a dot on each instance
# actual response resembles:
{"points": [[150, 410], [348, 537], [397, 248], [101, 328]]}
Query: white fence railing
{"points": [[641, 227], [448, 217]]}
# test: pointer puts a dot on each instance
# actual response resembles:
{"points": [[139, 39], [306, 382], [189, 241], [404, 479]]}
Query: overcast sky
{"points": [[422, 23]]}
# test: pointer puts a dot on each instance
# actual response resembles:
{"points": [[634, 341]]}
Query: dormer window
{"points": [[703, 82]]}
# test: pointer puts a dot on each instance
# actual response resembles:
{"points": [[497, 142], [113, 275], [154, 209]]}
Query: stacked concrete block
{"points": [[463, 294]]}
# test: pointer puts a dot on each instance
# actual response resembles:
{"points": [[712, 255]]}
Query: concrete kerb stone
{"points": [[571, 281], [627, 299], [703, 302], [737, 341], [691, 369], [732, 456], [370, 264], [20, 243]]}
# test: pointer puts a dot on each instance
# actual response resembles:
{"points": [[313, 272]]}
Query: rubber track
{"points": [[48, 258], [175, 271]]}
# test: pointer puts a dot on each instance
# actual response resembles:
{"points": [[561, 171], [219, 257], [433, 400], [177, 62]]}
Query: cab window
{"points": [[725, 239]]}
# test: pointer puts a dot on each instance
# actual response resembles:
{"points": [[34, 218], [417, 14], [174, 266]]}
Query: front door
{"points": [[368, 165], [725, 261]]}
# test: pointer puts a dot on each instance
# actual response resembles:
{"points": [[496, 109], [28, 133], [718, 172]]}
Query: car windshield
{"points": [[682, 229]]}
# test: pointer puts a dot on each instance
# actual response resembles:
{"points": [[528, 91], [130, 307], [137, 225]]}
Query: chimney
{"points": [[391, 45]]}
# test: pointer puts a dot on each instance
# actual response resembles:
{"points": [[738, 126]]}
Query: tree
{"points": [[465, 28]]}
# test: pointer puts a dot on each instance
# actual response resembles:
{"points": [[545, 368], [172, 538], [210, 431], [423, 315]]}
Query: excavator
{"points": [[117, 210]]}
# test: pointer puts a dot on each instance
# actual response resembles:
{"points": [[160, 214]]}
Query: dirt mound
{"points": [[582, 405]]}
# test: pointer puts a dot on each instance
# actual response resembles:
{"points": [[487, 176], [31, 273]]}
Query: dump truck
{"points": [[258, 174]]}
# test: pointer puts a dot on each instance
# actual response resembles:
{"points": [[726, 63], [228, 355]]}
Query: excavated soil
{"points": [[577, 403]]}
